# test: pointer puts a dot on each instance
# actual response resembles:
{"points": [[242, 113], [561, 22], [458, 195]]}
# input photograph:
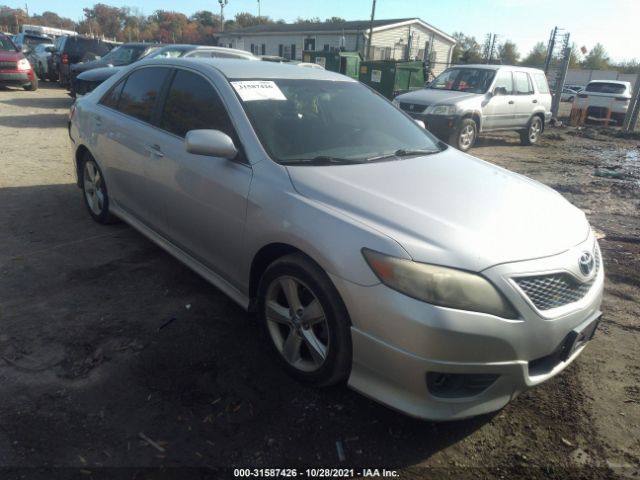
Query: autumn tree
{"points": [[537, 56], [597, 58], [466, 50], [508, 53]]}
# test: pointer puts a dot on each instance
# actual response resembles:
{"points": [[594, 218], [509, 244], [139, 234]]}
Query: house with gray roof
{"points": [[392, 39]]}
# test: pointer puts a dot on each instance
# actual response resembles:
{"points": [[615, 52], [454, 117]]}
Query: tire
{"points": [[313, 343], [94, 191], [33, 86], [40, 71], [465, 135], [532, 134]]}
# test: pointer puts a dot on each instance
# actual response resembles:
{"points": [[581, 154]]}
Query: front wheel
{"points": [[305, 321], [33, 86], [465, 136], [532, 134]]}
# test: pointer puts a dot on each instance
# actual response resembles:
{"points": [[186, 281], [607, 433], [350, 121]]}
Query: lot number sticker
{"points": [[258, 90], [376, 76]]}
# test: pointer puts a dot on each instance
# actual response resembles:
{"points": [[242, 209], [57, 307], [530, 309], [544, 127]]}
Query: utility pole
{"points": [[631, 119], [550, 47], [258, 11], [493, 44], [223, 3], [562, 75], [373, 14], [489, 46]]}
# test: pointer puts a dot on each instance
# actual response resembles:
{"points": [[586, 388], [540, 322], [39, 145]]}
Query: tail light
{"points": [[65, 58], [582, 95]]}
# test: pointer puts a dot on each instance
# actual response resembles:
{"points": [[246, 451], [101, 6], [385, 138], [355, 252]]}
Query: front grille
{"points": [[557, 289], [8, 65], [412, 107]]}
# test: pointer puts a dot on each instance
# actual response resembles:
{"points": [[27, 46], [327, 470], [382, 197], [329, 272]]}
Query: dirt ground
{"points": [[103, 336]]}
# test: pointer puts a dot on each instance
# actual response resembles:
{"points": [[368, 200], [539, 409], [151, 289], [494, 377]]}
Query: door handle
{"points": [[154, 150], [511, 102], [98, 121]]}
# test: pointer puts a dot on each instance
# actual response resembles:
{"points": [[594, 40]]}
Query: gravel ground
{"points": [[103, 336]]}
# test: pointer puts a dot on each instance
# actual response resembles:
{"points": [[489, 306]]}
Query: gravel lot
{"points": [[90, 356]]}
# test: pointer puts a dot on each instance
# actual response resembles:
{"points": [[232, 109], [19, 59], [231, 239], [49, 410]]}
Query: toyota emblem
{"points": [[586, 262]]}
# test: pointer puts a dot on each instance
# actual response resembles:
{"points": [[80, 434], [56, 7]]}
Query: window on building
{"points": [[264, 49]]}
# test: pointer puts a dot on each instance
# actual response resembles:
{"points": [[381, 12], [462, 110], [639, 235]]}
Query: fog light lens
{"points": [[456, 385]]}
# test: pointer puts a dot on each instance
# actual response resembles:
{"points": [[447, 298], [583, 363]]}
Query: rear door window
{"points": [[191, 104], [140, 92], [504, 80], [522, 83]]}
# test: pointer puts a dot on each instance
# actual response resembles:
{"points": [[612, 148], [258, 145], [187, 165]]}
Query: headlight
{"points": [[446, 287], [23, 64], [448, 110]]}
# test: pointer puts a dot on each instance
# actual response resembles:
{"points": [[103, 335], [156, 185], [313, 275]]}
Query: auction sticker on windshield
{"points": [[258, 90]]}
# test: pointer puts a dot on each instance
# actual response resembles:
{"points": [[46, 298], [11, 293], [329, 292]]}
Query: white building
{"points": [[395, 39]]}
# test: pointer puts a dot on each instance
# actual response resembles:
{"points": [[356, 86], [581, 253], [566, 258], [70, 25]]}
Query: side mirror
{"points": [[500, 91], [212, 143], [420, 123]]}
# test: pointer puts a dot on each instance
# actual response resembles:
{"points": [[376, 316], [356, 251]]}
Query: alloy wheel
{"points": [[93, 188]]}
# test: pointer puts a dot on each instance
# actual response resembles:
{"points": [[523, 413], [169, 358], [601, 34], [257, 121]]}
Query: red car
{"points": [[15, 70]]}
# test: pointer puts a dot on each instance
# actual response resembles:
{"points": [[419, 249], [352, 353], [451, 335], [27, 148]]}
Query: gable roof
{"points": [[328, 27]]}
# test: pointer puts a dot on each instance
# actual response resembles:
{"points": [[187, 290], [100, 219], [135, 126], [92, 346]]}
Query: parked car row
{"points": [[373, 253], [15, 69]]}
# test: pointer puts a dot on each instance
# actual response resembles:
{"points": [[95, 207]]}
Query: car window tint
{"points": [[602, 87], [111, 98], [504, 80], [541, 82], [522, 83], [191, 104], [140, 91]]}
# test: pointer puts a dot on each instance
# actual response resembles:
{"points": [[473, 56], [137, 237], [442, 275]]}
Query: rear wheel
{"points": [[465, 136], [94, 191], [531, 135], [305, 321]]}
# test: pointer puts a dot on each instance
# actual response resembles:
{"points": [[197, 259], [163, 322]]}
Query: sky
{"points": [[614, 23]]}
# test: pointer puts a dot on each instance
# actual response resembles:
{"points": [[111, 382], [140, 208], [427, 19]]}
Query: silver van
{"points": [[466, 100]]}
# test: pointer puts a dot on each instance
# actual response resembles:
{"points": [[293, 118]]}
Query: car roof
{"points": [[496, 67], [241, 69]]}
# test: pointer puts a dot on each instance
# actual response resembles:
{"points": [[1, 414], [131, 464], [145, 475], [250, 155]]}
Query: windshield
{"points": [[328, 122], [123, 55], [6, 45], [168, 52], [471, 80]]}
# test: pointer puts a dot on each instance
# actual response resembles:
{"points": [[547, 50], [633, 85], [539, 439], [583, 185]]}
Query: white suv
{"points": [[605, 99], [466, 100]]}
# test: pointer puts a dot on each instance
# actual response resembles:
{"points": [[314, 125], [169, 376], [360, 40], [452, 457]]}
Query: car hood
{"points": [[99, 74], [450, 208], [430, 96], [10, 56]]}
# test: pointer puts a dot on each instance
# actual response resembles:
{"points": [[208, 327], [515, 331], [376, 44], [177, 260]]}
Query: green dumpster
{"points": [[347, 63], [391, 77]]}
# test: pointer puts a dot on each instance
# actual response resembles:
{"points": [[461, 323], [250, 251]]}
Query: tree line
{"points": [[469, 50], [129, 24]]}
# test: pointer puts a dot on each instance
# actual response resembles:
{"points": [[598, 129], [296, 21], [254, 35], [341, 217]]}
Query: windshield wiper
{"points": [[322, 160], [403, 153]]}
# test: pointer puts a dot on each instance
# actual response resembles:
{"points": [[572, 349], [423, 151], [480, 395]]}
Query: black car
{"points": [[118, 57], [87, 81], [75, 49]]}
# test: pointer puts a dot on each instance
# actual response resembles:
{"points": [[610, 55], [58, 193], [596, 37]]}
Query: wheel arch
{"points": [[81, 151], [476, 117]]}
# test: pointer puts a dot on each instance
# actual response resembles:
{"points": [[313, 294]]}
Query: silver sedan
{"points": [[372, 253]]}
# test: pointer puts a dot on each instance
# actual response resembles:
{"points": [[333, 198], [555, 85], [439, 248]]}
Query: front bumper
{"points": [[16, 77], [398, 341], [439, 125]]}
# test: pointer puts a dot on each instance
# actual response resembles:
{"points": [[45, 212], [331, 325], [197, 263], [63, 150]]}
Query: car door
{"points": [[525, 98], [124, 128], [205, 198], [499, 111]]}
